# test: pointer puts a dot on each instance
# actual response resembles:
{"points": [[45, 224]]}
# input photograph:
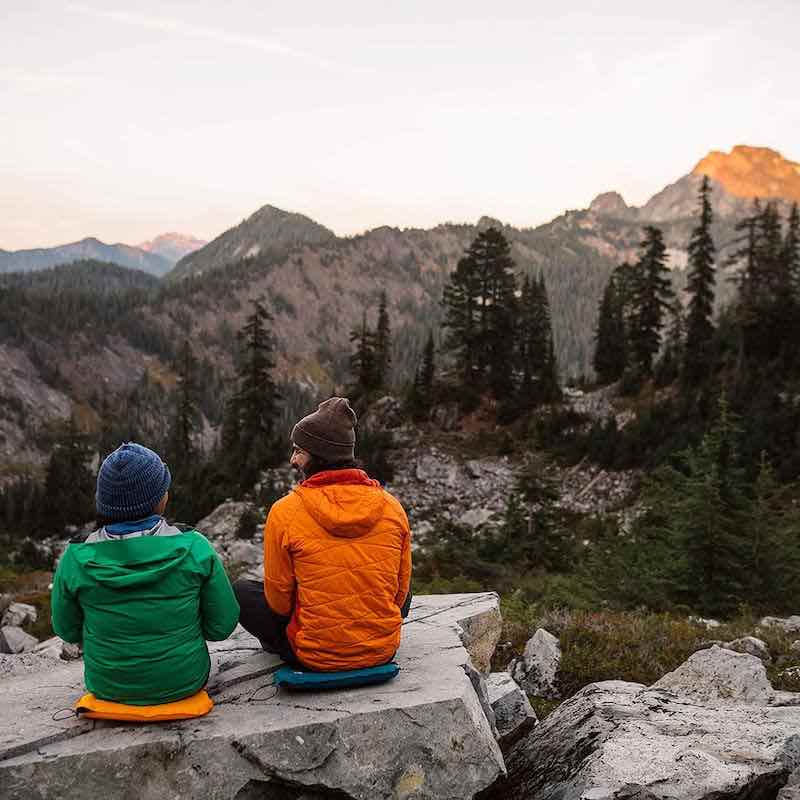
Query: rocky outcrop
{"points": [[14, 640], [424, 735], [792, 789], [513, 713], [751, 645], [19, 614], [711, 730], [786, 624], [750, 172], [537, 669]]}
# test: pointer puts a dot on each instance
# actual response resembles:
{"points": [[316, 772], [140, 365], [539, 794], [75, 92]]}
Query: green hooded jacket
{"points": [[143, 607]]}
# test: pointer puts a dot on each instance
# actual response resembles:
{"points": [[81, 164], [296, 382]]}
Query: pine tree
{"points": [[546, 542], [500, 307], [428, 371], [187, 413], [701, 280], [461, 322], [382, 347], [363, 360], [536, 349], [479, 303], [651, 295], [673, 357], [610, 352], [421, 395], [185, 460], [549, 381], [702, 508], [257, 397], [791, 249], [69, 485], [774, 549]]}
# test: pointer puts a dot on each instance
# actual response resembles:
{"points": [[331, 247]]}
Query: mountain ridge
{"points": [[172, 246], [88, 248]]}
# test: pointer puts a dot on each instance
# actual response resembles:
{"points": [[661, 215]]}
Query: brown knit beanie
{"points": [[328, 433]]}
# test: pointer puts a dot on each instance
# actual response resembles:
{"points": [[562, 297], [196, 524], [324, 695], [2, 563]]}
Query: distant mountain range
{"points": [[266, 233], [172, 246], [318, 285], [157, 256]]}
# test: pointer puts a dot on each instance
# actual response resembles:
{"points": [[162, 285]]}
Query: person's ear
{"points": [[161, 507]]}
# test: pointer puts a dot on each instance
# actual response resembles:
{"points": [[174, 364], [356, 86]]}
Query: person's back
{"points": [[142, 596], [346, 539], [337, 557]]}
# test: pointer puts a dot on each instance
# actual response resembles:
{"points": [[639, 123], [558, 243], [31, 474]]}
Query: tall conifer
{"points": [[701, 280], [479, 303], [257, 397], [651, 296], [383, 346], [610, 337]]}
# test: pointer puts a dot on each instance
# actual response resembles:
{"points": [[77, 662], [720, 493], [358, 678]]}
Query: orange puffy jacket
{"points": [[337, 557]]}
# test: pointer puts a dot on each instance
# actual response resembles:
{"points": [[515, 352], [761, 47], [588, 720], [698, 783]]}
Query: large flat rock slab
{"points": [[423, 735]]}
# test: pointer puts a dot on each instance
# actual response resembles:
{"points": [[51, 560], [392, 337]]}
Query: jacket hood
{"points": [[133, 562], [345, 502]]}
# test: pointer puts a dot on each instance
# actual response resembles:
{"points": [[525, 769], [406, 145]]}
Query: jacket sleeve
{"points": [[404, 576], [279, 579], [219, 611], [65, 609]]}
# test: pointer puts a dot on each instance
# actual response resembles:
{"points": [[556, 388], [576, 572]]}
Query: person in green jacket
{"points": [[142, 596]]}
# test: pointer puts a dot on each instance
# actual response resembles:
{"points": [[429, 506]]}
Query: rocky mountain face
{"points": [[270, 230], [172, 246], [122, 254], [318, 286], [751, 172]]}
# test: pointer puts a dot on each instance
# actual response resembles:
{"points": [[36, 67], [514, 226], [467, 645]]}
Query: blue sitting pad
{"points": [[303, 680]]}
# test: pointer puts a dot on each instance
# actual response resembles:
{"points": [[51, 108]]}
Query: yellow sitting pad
{"points": [[195, 706]]}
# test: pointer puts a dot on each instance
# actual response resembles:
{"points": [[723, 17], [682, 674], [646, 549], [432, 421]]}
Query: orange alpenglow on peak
{"points": [[752, 172]]}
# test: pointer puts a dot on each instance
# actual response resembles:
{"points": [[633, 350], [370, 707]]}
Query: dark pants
{"points": [[258, 618], [269, 628]]}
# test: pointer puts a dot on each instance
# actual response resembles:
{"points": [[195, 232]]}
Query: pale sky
{"points": [[126, 120]]}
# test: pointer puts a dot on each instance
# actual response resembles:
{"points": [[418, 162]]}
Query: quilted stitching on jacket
{"points": [[337, 556]]}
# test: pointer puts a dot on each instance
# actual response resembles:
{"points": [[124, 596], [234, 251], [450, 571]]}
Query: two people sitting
{"points": [[143, 596]]}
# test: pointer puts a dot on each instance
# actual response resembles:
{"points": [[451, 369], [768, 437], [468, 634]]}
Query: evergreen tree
{"points": [[673, 357], [774, 557], [501, 307], [428, 371], [257, 397], [479, 303], [460, 301], [651, 295], [421, 399], [702, 508], [551, 390], [69, 485], [766, 303], [185, 461], [545, 541], [536, 351], [791, 249], [701, 280], [363, 361], [186, 419], [610, 337], [383, 345]]}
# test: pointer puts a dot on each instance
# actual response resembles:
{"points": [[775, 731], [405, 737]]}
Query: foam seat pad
{"points": [[303, 680], [197, 705]]}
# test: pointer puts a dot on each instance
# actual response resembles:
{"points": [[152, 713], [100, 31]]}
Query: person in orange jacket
{"points": [[337, 557]]}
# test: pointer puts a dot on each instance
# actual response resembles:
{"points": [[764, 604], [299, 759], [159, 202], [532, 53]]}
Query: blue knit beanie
{"points": [[131, 482]]}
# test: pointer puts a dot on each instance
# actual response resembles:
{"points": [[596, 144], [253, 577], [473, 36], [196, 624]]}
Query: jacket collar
{"points": [[331, 476]]}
